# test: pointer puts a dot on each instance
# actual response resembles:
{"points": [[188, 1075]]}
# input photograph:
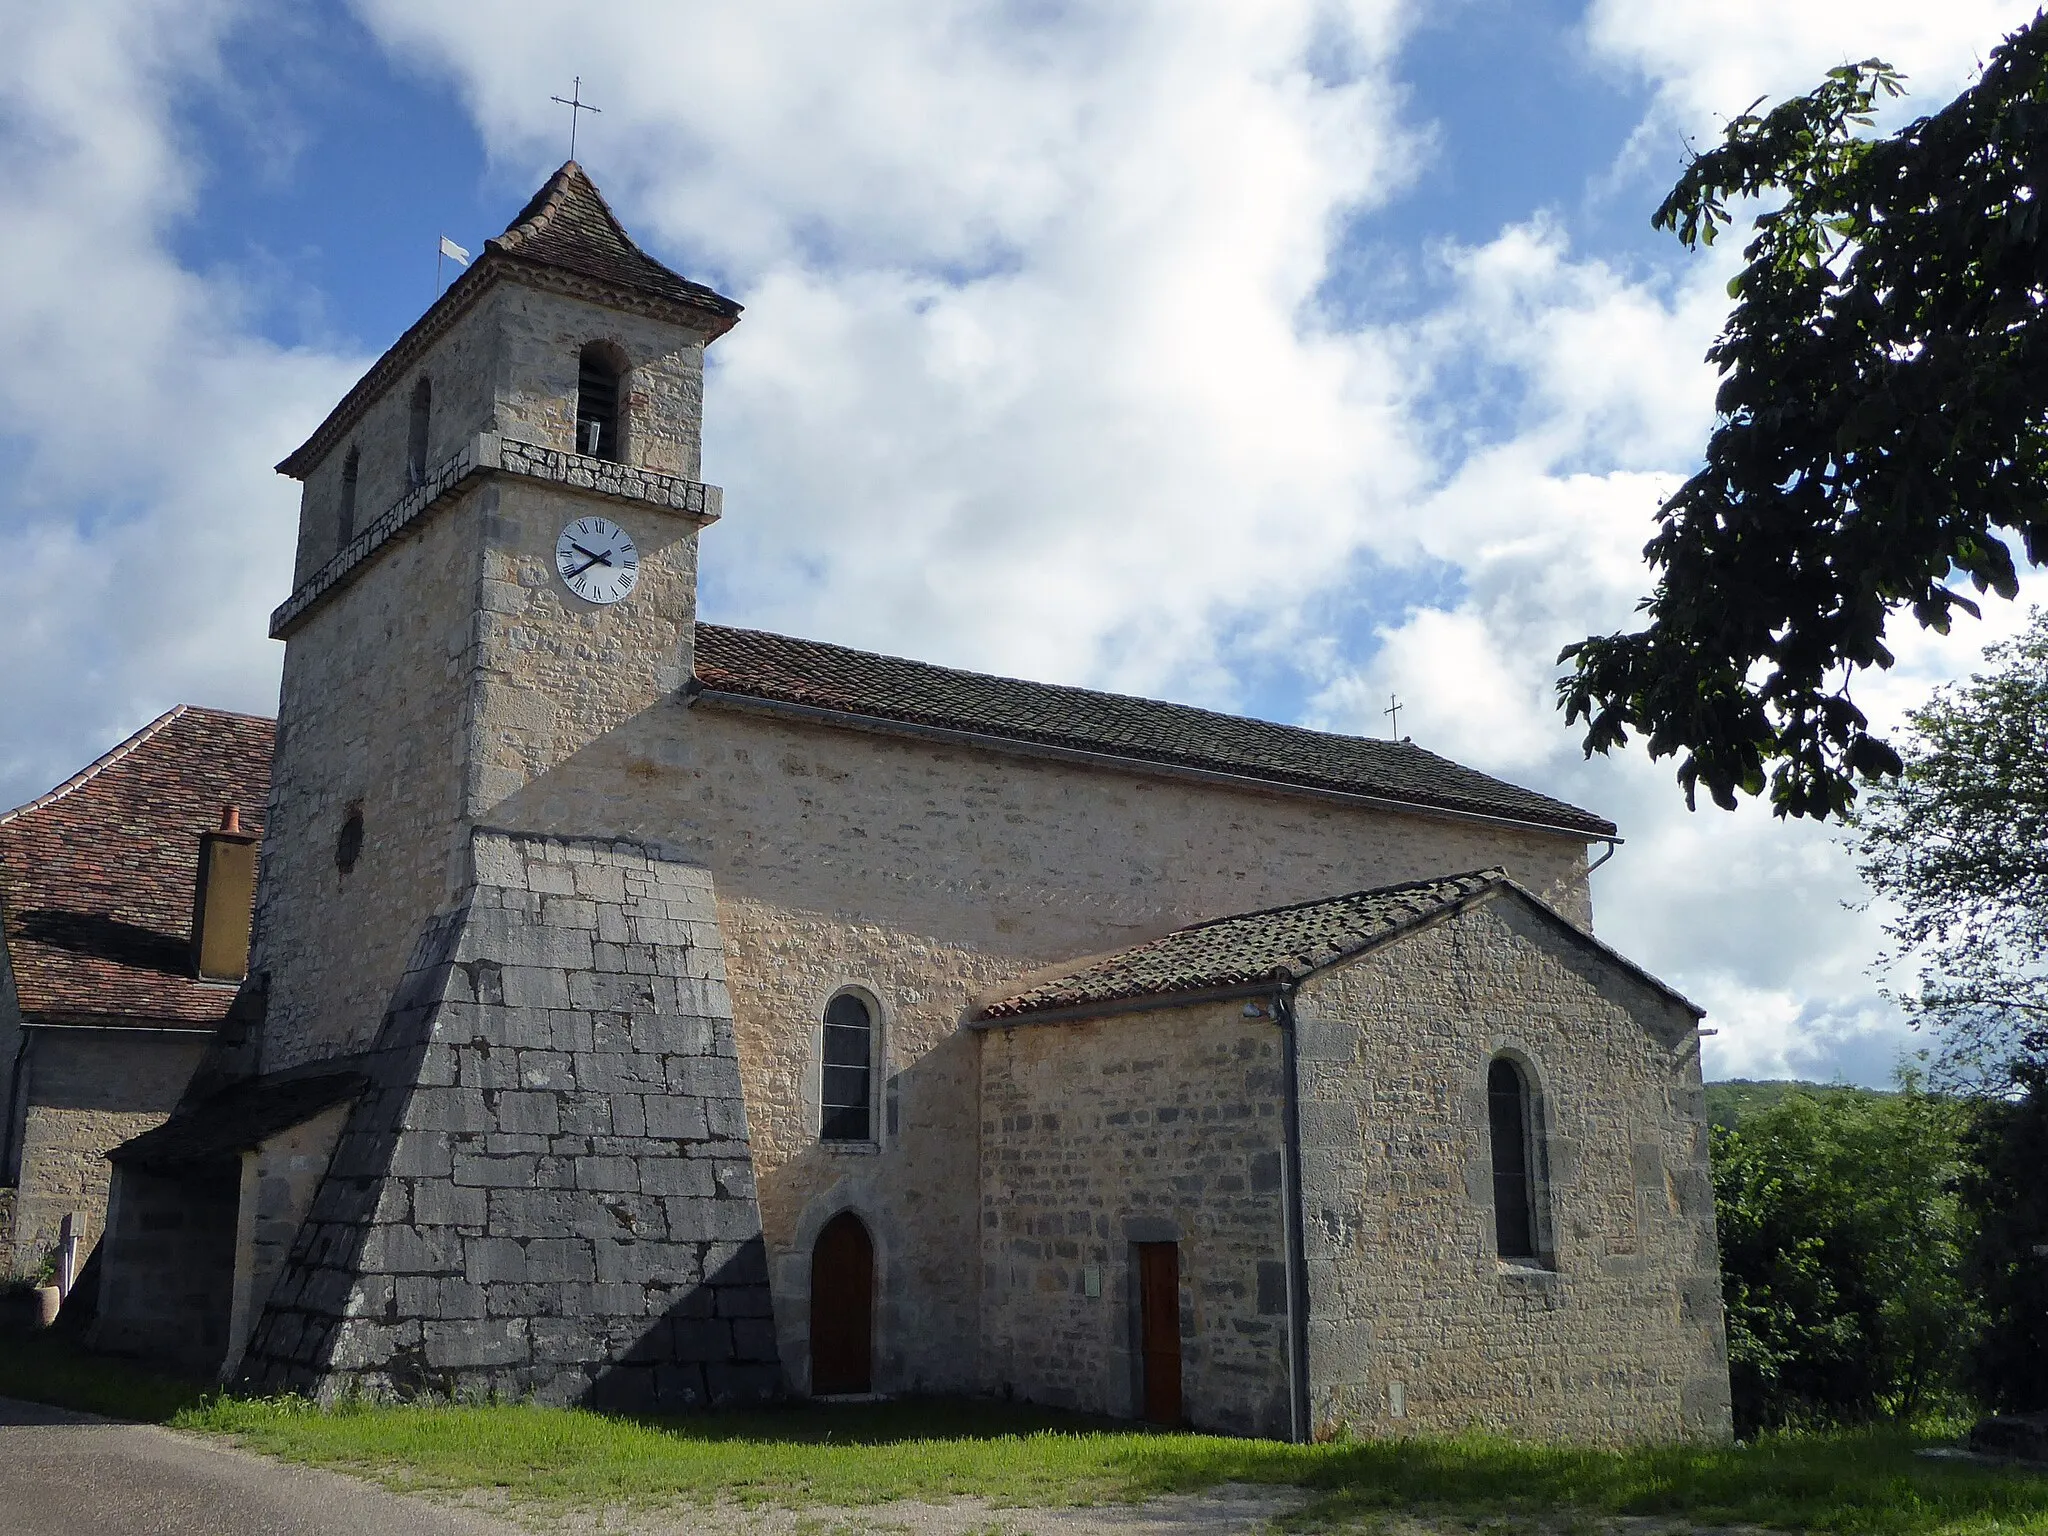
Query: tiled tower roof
{"points": [[566, 237], [569, 226]]}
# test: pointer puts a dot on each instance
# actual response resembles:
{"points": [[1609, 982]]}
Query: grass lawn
{"points": [[1850, 1482]]}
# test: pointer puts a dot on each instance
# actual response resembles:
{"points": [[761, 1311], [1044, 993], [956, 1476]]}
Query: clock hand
{"points": [[586, 565], [603, 559]]}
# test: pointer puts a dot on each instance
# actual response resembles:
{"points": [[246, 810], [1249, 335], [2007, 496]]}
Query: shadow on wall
{"points": [[546, 1190], [917, 1204], [712, 1348]]}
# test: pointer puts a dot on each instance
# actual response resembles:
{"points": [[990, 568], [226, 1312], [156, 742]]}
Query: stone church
{"points": [[653, 1014]]}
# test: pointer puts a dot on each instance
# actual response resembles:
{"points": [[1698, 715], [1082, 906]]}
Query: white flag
{"points": [[454, 252]]}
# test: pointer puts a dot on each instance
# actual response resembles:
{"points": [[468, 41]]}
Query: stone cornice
{"points": [[488, 454]]}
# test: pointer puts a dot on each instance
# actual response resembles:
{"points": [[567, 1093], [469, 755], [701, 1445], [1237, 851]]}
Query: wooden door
{"points": [[842, 1308], [1159, 1329]]}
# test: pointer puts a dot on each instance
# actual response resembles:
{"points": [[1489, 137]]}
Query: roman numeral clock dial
{"points": [[597, 560]]}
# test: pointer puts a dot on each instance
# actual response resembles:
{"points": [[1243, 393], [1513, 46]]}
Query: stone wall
{"points": [[509, 365], [87, 1091], [1165, 1125], [10, 1109], [555, 675], [547, 1191], [280, 1177], [453, 665], [928, 875], [543, 336], [167, 1269], [371, 717], [1620, 1337], [464, 367]]}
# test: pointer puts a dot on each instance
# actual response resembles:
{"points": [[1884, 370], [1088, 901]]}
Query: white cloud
{"points": [[1030, 377], [143, 537], [1710, 59], [1033, 376], [1763, 921]]}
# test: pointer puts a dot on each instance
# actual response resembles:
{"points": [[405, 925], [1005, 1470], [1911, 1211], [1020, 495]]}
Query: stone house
{"points": [[112, 980], [653, 1013]]}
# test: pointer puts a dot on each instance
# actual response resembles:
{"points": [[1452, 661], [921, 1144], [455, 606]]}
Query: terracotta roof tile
{"points": [[808, 672], [96, 877]]}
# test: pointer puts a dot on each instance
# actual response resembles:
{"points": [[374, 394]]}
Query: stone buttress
{"points": [[546, 1192]]}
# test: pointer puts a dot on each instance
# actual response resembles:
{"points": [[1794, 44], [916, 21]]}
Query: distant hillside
{"points": [[1728, 1102]]}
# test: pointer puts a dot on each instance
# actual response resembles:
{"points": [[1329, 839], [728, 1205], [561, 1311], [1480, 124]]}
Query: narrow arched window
{"points": [[600, 423], [846, 1091], [345, 519], [1514, 1183], [416, 434]]}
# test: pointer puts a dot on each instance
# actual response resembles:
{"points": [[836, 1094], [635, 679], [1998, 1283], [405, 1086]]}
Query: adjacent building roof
{"points": [[97, 876], [756, 665], [1278, 947], [567, 228]]}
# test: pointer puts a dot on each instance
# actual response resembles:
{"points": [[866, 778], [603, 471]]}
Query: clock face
{"points": [[597, 560]]}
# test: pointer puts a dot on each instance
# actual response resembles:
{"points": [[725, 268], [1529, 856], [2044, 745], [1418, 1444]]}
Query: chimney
{"points": [[223, 900]]}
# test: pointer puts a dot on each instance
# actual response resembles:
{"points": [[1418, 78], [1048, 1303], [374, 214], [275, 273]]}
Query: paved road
{"points": [[64, 1474]]}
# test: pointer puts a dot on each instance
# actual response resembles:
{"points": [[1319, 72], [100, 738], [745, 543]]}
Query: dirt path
{"points": [[1223, 1511]]}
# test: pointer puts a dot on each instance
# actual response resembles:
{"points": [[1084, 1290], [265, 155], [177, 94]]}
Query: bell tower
{"points": [[512, 1011], [448, 645]]}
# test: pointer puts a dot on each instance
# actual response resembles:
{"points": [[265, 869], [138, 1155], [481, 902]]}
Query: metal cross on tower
{"points": [[575, 103], [1394, 709]]}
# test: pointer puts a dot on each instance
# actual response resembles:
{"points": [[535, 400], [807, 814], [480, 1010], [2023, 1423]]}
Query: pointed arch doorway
{"points": [[842, 1308]]}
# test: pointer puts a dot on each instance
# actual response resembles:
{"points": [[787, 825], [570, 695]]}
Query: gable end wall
{"points": [[1409, 1302]]}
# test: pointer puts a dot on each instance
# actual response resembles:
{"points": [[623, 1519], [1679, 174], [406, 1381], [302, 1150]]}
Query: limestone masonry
{"points": [[658, 1015]]}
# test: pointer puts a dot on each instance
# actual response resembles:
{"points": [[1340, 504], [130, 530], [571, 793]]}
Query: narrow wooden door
{"points": [[1159, 1329], [842, 1308]]}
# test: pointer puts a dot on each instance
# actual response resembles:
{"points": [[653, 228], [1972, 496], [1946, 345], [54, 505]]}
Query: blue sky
{"points": [[1272, 354]]}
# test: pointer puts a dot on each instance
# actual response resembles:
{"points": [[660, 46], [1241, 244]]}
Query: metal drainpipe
{"points": [[11, 1166], [1299, 1427]]}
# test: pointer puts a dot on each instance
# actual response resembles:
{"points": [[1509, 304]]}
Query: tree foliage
{"points": [[1959, 842], [2004, 1191], [1841, 1251], [1883, 429]]}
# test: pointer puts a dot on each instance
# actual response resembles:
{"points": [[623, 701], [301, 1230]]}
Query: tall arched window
{"points": [[416, 433], [846, 1091], [600, 423], [1514, 1171], [345, 519]]}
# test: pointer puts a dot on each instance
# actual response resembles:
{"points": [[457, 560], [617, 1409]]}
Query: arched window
{"points": [[600, 423], [348, 847], [846, 1090], [416, 434], [345, 520], [1514, 1159]]}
